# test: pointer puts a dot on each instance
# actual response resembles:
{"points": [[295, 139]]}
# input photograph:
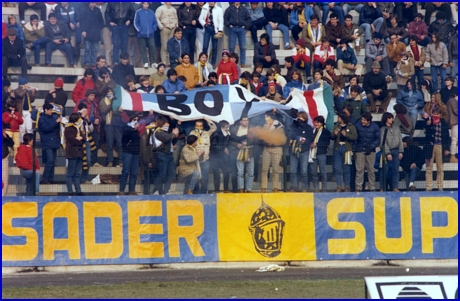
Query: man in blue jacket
{"points": [[177, 46], [145, 23], [346, 59], [172, 85], [368, 140], [48, 127]]}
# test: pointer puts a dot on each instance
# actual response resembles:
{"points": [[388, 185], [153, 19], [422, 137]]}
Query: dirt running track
{"points": [[210, 274]]}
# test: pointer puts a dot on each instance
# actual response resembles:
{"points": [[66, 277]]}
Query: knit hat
{"points": [[225, 52], [377, 35], [376, 65], [272, 84], [11, 31], [59, 83], [33, 17], [161, 64], [22, 81], [6, 83], [301, 43]]}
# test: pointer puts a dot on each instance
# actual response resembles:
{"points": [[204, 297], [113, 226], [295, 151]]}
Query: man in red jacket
{"points": [[84, 84], [24, 163]]}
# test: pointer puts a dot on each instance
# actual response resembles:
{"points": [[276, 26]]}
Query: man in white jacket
{"points": [[212, 20]]}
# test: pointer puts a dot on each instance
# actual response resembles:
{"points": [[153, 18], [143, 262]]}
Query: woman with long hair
{"points": [[435, 102], [437, 56]]}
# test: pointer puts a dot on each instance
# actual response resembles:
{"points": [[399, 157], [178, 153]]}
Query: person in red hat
{"points": [[57, 95], [227, 71]]}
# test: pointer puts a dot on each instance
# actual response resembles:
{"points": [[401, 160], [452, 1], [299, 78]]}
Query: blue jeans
{"points": [[48, 161], [66, 48], [91, 48], [321, 162], [37, 46], [73, 174], [410, 176], [303, 162], [131, 169], [85, 173], [307, 67], [209, 35], [250, 169], [166, 172], [284, 29], [203, 187], [367, 28], [419, 76], [78, 37], [189, 34], [395, 171], [27, 174], [336, 9], [241, 34], [119, 40], [220, 162], [454, 69], [424, 42], [113, 134], [413, 114], [347, 7], [434, 76], [317, 65], [191, 180], [342, 171]]}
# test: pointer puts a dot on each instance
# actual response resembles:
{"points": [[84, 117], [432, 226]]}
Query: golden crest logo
{"points": [[267, 230]]}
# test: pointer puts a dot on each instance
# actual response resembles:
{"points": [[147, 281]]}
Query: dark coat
{"points": [[13, 51], [175, 51], [368, 137], [348, 56], [73, 147], [375, 81], [61, 13], [259, 53], [429, 138], [185, 16], [61, 98], [131, 141], [304, 130], [91, 22], [6, 143], [64, 31], [120, 72], [334, 32], [237, 17], [323, 141], [412, 154], [445, 30], [49, 131], [219, 143], [166, 138], [368, 14], [119, 13]]}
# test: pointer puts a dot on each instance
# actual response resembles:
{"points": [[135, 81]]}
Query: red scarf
{"points": [[403, 119]]}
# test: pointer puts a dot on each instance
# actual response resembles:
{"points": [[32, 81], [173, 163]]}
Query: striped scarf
{"points": [[302, 63], [92, 144], [202, 72], [314, 150], [296, 147], [347, 158], [318, 33], [227, 77], [108, 117]]}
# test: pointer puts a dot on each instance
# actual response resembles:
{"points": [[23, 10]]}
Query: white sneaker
{"points": [[154, 65], [97, 165], [23, 22], [146, 65]]}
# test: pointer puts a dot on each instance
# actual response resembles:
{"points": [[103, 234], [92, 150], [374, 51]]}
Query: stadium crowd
{"points": [[398, 41]]}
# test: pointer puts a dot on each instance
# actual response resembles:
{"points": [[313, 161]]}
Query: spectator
{"points": [[113, 132], [13, 54], [199, 27], [387, 9], [347, 62], [133, 42], [189, 71], [204, 69], [302, 58], [7, 93], [25, 97], [370, 19], [145, 87], [376, 88], [318, 150], [145, 23], [219, 156], [104, 81], [7, 143], [443, 7], [318, 82], [58, 38], [437, 56], [377, 51], [131, 148], [89, 145], [344, 134], [245, 82], [404, 69], [172, 84], [241, 155], [449, 89], [295, 83], [24, 162], [396, 28], [188, 19], [85, 83], [12, 119], [57, 95], [290, 68], [412, 99], [353, 81], [334, 7], [238, 20], [417, 52], [276, 21], [435, 102], [301, 138], [353, 33], [75, 143], [314, 33], [332, 75], [23, 6], [264, 52], [273, 150], [91, 26], [100, 63], [426, 90], [442, 26], [119, 15], [272, 94], [419, 29], [212, 19], [106, 34], [227, 71], [322, 54], [300, 16], [159, 77], [131, 84], [403, 121], [392, 148], [35, 38], [368, 140], [394, 50], [69, 13], [270, 78], [167, 24], [452, 50], [279, 78], [412, 162], [452, 109], [437, 145], [122, 70], [189, 164], [355, 99], [12, 23], [48, 127], [177, 46], [258, 20], [335, 31], [406, 11]]}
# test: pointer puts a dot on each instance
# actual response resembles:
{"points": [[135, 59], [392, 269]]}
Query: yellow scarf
{"points": [[198, 134], [108, 118], [314, 150], [201, 76], [310, 33], [248, 86], [302, 63]]}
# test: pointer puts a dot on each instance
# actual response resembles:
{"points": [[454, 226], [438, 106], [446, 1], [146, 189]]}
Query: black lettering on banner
{"points": [[203, 108], [174, 105], [248, 104]]}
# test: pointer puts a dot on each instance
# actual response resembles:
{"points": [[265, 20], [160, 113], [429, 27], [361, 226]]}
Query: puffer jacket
{"points": [[373, 50], [166, 17], [416, 100], [145, 23], [368, 137], [33, 35], [438, 56], [369, 14], [49, 131], [61, 13], [119, 13]]}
